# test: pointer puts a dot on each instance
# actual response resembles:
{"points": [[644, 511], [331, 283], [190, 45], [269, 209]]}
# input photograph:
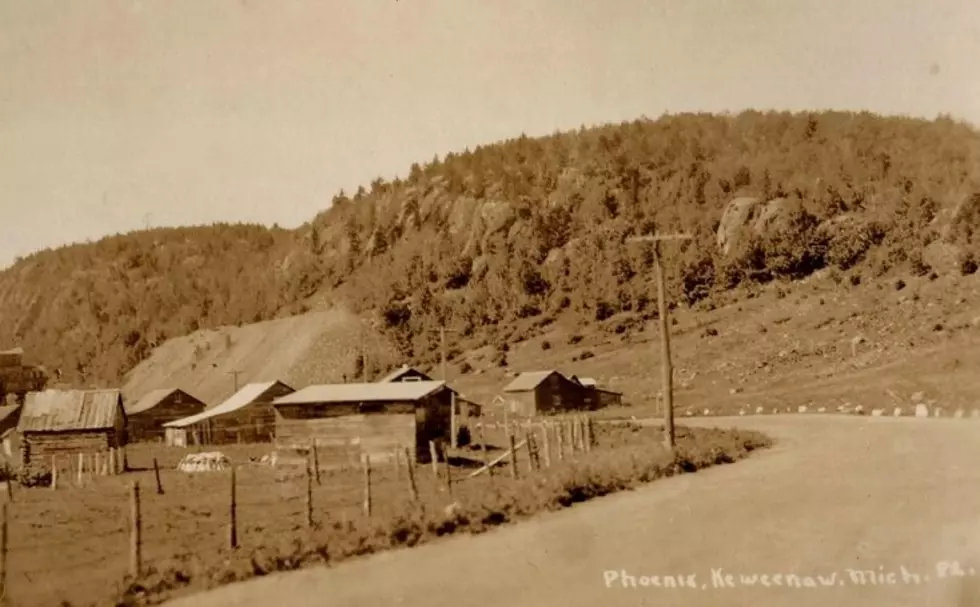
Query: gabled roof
{"points": [[154, 398], [60, 410], [528, 381], [243, 398], [367, 392], [401, 371], [589, 382]]}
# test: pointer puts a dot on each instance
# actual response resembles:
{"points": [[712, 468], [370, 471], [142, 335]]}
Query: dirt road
{"points": [[896, 497]]}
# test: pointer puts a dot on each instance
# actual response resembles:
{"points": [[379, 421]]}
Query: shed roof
{"points": [[589, 382], [243, 398], [528, 381], [61, 410], [18, 351], [366, 392], [152, 399], [399, 372]]}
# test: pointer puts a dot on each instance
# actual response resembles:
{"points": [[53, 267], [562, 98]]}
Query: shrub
{"points": [[586, 355], [546, 345], [967, 262]]}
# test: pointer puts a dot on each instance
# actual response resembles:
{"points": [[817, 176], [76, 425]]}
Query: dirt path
{"points": [[835, 494]]}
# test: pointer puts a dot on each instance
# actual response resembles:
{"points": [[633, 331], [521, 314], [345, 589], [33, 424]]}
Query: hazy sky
{"points": [[113, 113]]}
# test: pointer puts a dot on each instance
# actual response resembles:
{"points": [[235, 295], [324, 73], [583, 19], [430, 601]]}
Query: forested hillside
{"points": [[515, 234]]}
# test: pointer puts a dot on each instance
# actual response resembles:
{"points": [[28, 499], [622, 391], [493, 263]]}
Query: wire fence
{"points": [[106, 518]]}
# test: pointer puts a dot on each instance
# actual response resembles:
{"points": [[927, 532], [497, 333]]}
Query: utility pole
{"points": [[235, 373], [453, 422], [667, 371]]}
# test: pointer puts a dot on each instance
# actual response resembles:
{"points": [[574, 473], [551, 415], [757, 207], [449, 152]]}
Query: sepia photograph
{"points": [[445, 303]]}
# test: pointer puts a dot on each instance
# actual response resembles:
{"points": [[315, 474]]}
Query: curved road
{"points": [[836, 493]]}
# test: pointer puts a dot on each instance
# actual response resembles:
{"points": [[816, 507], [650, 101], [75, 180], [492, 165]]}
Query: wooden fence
{"points": [[108, 516]]}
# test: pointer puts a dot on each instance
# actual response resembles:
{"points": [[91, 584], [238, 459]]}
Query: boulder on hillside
{"points": [[780, 219], [740, 214]]}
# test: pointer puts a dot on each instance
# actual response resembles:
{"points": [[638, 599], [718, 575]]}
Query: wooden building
{"points": [[405, 373], [546, 392], [372, 418], [602, 397], [148, 415], [246, 417], [68, 422]]}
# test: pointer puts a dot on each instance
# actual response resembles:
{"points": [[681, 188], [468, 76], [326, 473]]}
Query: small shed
{"points": [[543, 392], [148, 415], [603, 397], [405, 373], [373, 418], [69, 422], [246, 417]]}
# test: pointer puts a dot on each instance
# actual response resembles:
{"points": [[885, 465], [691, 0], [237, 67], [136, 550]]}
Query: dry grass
{"points": [[73, 544]]}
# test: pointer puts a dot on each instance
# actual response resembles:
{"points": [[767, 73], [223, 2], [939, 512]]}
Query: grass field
{"points": [[72, 545]]}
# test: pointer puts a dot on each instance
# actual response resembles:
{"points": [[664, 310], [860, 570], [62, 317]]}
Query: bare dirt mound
{"points": [[320, 347]]}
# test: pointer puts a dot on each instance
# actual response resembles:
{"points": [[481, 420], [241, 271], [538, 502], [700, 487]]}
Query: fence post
{"points": [[434, 455], [397, 462], [529, 440], [3, 550], [233, 519], [449, 479], [10, 483], [410, 467], [96, 464], [545, 445], [560, 440], [156, 473], [483, 446], [588, 434], [136, 532], [513, 455], [54, 472], [367, 484], [316, 462], [309, 496], [81, 467]]}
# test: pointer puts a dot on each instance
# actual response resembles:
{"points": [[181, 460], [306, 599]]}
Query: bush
{"points": [[546, 345], [967, 262], [586, 355]]}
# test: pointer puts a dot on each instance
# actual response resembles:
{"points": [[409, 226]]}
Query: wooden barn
{"points": [[546, 392], [69, 422], [246, 417], [405, 373], [372, 418], [148, 415], [602, 397]]}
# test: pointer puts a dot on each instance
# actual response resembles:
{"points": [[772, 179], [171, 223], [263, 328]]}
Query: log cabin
{"points": [[69, 422], [348, 420], [148, 415]]}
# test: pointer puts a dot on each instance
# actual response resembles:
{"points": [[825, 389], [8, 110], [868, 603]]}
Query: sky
{"points": [[120, 114]]}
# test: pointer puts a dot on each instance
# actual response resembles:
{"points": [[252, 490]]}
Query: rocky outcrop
{"points": [[746, 217]]}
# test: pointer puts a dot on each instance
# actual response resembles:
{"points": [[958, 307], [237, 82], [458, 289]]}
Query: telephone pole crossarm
{"points": [[667, 379]]}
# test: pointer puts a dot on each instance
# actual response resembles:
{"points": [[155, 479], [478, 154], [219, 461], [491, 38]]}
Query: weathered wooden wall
{"points": [[37, 448], [148, 425], [557, 394], [255, 423], [373, 428]]}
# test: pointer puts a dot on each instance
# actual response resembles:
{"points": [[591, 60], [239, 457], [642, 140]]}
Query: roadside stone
{"points": [[959, 414], [707, 412], [975, 413], [801, 409], [921, 410], [877, 412], [822, 410], [898, 412], [760, 410], [938, 412], [859, 410]]}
